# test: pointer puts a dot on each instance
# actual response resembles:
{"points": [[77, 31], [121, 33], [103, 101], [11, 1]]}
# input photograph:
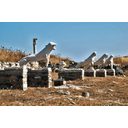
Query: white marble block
{"points": [[25, 85]]}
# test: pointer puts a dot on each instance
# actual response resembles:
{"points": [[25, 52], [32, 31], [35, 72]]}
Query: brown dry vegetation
{"points": [[15, 55], [98, 88], [121, 60], [54, 59], [11, 55]]}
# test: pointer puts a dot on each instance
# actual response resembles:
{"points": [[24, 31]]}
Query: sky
{"points": [[76, 40]]}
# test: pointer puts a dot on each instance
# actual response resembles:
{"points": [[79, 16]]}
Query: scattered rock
{"points": [[69, 99], [74, 87], [100, 90], [86, 86], [72, 102], [67, 93], [117, 102], [64, 93], [78, 96], [85, 94], [68, 86], [61, 92], [119, 77], [114, 82], [91, 99], [110, 90], [62, 87]]}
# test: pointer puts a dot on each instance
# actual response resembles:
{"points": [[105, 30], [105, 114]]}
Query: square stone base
{"points": [[101, 73], [71, 74], [58, 82], [90, 73], [110, 72]]}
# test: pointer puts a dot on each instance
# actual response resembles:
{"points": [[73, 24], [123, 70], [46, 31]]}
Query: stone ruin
{"points": [[44, 54], [24, 74], [71, 74], [28, 72], [101, 62], [13, 78]]}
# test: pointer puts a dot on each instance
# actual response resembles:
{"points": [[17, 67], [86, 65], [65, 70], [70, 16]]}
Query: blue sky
{"points": [[76, 40]]}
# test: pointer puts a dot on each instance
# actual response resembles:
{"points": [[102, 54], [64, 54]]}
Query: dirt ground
{"points": [[109, 91]]}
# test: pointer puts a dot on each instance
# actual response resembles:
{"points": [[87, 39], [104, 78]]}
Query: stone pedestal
{"points": [[101, 73], [110, 72], [90, 73], [21, 78], [24, 80], [71, 74], [58, 82], [42, 78], [14, 77]]}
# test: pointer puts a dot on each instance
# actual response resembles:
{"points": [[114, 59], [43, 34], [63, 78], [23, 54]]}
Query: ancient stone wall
{"points": [[13, 77], [40, 78], [21, 78], [71, 74], [90, 73]]}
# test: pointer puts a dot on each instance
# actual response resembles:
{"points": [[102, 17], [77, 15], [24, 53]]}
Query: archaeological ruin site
{"points": [[75, 82]]}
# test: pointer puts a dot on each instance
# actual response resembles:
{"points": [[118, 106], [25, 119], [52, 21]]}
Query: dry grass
{"points": [[54, 59], [11, 55], [15, 55], [98, 88], [121, 60], [54, 75]]}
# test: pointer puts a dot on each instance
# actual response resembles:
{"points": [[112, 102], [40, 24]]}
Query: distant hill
{"points": [[121, 60], [125, 56]]}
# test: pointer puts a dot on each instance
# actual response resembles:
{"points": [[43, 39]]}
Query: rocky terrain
{"points": [[109, 91]]}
